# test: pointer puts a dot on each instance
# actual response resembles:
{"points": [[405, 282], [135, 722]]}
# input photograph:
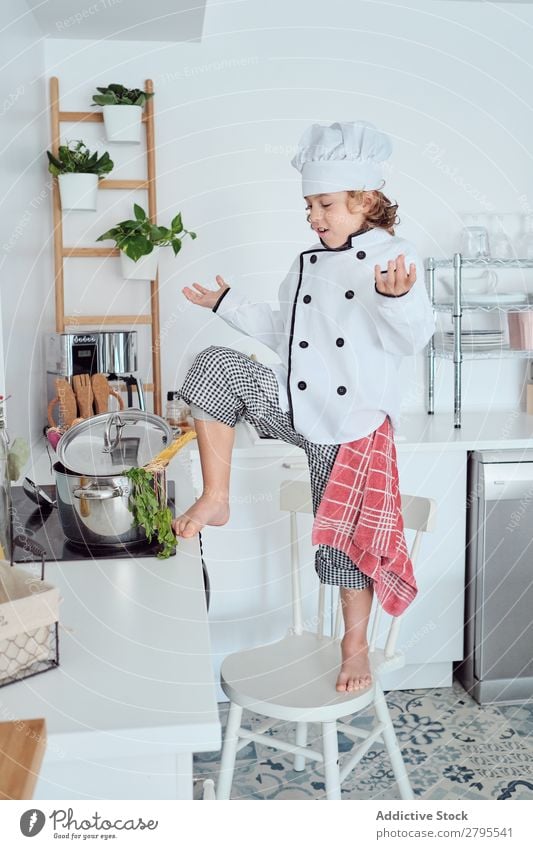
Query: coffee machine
{"points": [[113, 353]]}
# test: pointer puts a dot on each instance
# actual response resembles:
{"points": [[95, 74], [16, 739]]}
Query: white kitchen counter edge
{"points": [[420, 432]]}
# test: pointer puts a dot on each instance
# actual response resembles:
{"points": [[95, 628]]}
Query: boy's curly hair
{"points": [[381, 213]]}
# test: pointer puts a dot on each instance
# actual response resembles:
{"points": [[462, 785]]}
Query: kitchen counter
{"points": [[481, 429], [134, 695]]}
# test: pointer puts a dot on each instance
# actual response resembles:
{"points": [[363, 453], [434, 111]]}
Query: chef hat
{"points": [[341, 157]]}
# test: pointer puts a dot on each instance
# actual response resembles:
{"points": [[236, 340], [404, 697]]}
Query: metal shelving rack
{"points": [[456, 307], [61, 251]]}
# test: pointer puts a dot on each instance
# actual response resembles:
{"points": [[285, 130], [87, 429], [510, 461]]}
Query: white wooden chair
{"points": [[294, 679]]}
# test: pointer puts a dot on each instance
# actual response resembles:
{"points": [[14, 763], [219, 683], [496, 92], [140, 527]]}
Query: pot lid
{"points": [[110, 443]]}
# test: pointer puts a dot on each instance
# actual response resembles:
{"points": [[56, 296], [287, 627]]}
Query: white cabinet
{"points": [[432, 629], [249, 564], [248, 560], [149, 777]]}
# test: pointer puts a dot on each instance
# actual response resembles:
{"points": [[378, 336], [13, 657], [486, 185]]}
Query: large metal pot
{"points": [[95, 510], [93, 494]]}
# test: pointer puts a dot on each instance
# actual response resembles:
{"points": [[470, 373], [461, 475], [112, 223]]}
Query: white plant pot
{"points": [[123, 123], [78, 191], [144, 269]]}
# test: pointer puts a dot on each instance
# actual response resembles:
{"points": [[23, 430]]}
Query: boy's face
{"points": [[330, 217]]}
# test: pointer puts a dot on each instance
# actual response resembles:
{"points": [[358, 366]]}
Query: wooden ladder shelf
{"points": [[61, 252]]}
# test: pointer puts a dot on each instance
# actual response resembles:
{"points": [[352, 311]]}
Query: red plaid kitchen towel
{"points": [[360, 514]]}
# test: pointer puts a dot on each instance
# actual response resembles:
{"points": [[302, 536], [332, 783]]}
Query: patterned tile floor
{"points": [[453, 748]]}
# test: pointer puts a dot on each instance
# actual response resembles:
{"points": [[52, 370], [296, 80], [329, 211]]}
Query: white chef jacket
{"points": [[340, 341]]}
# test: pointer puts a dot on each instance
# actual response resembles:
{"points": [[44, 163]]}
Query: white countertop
{"points": [[480, 430], [135, 674]]}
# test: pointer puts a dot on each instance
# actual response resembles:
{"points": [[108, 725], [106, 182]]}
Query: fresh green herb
{"points": [[149, 507]]}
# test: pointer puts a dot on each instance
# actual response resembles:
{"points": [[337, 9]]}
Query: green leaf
{"points": [[177, 225], [140, 214], [110, 234], [176, 246], [53, 161], [130, 225], [136, 246], [108, 99], [159, 233]]}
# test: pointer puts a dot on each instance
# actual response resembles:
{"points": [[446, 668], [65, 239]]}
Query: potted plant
{"points": [[78, 172], [139, 242], [122, 108]]}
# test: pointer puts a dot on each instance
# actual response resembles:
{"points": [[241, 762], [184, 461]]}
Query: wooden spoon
{"points": [[102, 390], [68, 408], [84, 394]]}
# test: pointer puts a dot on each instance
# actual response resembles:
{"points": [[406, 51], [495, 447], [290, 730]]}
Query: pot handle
{"points": [[110, 444], [102, 494]]}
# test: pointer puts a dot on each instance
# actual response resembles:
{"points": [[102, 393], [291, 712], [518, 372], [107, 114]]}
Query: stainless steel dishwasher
{"points": [[498, 648]]}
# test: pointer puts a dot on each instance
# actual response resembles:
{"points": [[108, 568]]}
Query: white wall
{"points": [[450, 82], [26, 268]]}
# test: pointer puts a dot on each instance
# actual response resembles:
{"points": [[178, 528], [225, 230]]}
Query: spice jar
{"points": [[176, 410]]}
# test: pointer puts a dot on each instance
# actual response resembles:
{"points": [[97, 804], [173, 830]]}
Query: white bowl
{"points": [[473, 282]]}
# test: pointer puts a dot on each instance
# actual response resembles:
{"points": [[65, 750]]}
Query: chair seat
{"points": [[294, 679]]}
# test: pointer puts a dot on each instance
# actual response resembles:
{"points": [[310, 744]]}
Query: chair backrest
{"points": [[418, 514]]}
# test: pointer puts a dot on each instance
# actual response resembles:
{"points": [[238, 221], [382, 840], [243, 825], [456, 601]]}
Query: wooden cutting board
{"points": [[22, 746]]}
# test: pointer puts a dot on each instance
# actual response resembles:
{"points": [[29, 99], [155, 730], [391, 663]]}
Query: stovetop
{"points": [[37, 532]]}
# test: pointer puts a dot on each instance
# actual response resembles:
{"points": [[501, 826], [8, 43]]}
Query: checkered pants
{"points": [[228, 385]]}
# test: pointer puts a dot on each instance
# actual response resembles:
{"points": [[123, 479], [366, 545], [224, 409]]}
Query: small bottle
{"points": [[5, 490], [176, 411]]}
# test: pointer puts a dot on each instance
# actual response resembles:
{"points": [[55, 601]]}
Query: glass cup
{"points": [[524, 244], [475, 243], [501, 244]]}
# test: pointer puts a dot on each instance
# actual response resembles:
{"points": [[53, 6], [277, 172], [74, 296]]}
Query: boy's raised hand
{"points": [[205, 297], [395, 280]]}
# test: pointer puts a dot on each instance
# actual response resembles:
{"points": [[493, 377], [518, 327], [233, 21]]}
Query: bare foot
{"points": [[355, 670], [206, 511]]}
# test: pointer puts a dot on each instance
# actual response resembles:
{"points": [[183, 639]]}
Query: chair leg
{"points": [[229, 751], [331, 760], [392, 745], [301, 740]]}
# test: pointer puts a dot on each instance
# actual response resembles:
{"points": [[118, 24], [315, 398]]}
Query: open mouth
{"points": [[322, 231]]}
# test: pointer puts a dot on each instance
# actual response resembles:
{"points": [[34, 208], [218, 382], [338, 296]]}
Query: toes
{"points": [[185, 527], [190, 528], [360, 682], [342, 683]]}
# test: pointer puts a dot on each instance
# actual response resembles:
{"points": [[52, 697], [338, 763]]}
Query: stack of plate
{"points": [[472, 340]]}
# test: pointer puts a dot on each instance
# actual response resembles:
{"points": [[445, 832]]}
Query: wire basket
{"points": [[29, 614]]}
